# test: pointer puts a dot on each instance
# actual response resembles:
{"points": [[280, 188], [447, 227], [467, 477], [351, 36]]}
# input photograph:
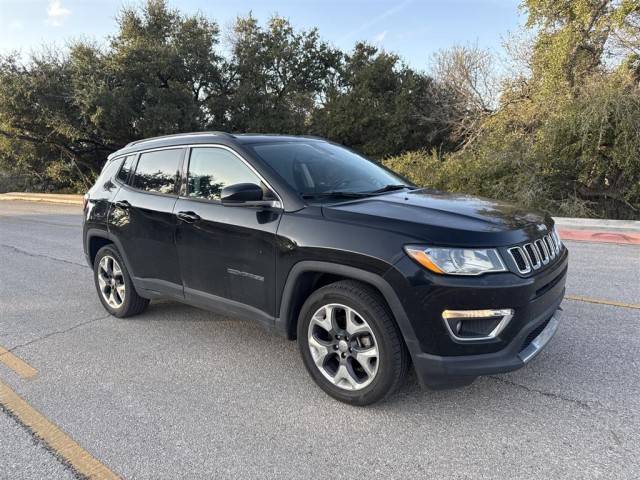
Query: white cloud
{"points": [[56, 13]]}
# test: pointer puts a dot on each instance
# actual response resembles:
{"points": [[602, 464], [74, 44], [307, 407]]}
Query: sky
{"points": [[415, 29]]}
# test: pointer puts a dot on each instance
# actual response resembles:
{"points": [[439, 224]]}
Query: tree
{"points": [[573, 36], [468, 75], [276, 76], [565, 137], [153, 78], [380, 106]]}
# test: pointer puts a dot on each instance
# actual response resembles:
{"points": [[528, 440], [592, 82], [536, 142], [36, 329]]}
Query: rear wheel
{"points": [[114, 285], [350, 343]]}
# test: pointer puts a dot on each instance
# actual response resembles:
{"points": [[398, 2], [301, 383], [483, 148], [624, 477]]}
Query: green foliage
{"points": [[275, 77], [76, 108], [380, 106], [581, 160], [566, 138], [161, 73], [562, 137]]}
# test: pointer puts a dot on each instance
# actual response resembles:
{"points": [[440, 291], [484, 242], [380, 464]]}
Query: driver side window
{"points": [[211, 169]]}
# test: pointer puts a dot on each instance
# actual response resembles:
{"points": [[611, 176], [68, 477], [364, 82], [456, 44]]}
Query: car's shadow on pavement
{"points": [[284, 362]]}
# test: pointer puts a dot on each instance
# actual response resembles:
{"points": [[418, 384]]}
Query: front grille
{"points": [[536, 254]]}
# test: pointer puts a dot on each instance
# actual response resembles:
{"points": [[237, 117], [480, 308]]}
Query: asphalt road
{"points": [[182, 393]]}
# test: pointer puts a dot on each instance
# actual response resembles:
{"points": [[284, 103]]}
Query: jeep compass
{"points": [[369, 273]]}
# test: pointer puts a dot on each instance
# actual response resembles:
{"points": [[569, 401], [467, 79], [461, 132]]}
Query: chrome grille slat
{"points": [[532, 254], [556, 241], [550, 246], [543, 253], [517, 250], [535, 255]]}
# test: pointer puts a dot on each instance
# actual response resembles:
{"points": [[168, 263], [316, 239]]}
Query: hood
{"points": [[444, 219]]}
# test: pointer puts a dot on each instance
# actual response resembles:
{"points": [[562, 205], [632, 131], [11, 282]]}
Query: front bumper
{"points": [[440, 372], [442, 361]]}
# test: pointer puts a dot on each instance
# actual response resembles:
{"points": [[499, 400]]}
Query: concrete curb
{"points": [[43, 197], [628, 238], [596, 230], [597, 224]]}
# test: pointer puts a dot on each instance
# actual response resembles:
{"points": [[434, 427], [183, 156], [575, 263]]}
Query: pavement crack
{"points": [[42, 255], [57, 332], [556, 396]]}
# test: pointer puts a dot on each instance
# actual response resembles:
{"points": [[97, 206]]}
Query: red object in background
{"points": [[600, 237]]}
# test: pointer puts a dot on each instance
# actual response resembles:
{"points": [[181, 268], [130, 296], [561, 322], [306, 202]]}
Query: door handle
{"points": [[123, 204], [188, 217]]}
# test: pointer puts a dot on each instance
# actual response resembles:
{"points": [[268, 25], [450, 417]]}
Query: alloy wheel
{"points": [[343, 346], [111, 282]]}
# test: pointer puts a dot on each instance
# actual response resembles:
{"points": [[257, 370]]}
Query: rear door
{"points": [[142, 220], [226, 254]]}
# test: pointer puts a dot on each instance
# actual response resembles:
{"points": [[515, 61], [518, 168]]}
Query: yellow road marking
{"points": [[16, 364], [81, 460], [602, 302]]}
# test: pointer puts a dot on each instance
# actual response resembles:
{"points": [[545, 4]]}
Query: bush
{"points": [[582, 159]]}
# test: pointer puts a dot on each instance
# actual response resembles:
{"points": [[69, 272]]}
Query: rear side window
{"points": [[158, 171], [106, 175], [212, 169], [123, 174]]}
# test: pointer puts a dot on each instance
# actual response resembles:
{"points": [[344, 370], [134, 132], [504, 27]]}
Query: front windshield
{"points": [[314, 168]]}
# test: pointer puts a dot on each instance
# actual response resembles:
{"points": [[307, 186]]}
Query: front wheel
{"points": [[350, 343]]}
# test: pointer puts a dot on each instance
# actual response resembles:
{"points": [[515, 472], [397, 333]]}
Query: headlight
{"points": [[457, 261]]}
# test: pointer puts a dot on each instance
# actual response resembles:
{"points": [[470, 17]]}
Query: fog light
{"points": [[474, 325]]}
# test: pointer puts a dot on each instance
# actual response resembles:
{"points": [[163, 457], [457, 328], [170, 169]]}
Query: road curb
{"points": [[598, 230], [597, 224], [628, 238], [67, 199]]}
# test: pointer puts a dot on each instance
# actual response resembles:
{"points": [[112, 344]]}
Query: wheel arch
{"points": [[307, 276], [96, 239]]}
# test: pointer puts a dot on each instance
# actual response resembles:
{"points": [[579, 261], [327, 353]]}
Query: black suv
{"points": [[367, 271]]}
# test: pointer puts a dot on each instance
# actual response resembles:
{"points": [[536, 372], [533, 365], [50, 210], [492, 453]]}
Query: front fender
{"points": [[286, 319]]}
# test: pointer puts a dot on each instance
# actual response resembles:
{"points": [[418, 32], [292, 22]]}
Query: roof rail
{"points": [[174, 135], [313, 137]]}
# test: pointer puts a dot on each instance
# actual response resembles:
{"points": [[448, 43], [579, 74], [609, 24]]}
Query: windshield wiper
{"points": [[338, 193], [335, 193], [389, 188]]}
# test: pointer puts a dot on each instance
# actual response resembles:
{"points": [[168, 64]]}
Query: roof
{"points": [[206, 137]]}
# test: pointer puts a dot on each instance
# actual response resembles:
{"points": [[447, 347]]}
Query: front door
{"points": [[142, 219], [226, 254]]}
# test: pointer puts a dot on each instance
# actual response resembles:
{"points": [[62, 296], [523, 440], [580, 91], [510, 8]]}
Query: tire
{"points": [[115, 288], [373, 375]]}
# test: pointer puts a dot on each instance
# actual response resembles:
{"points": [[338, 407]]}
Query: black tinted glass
{"points": [[104, 180], [108, 171], [212, 169], [157, 171], [315, 167], [123, 174]]}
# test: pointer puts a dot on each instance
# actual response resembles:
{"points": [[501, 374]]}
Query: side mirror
{"points": [[244, 195]]}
